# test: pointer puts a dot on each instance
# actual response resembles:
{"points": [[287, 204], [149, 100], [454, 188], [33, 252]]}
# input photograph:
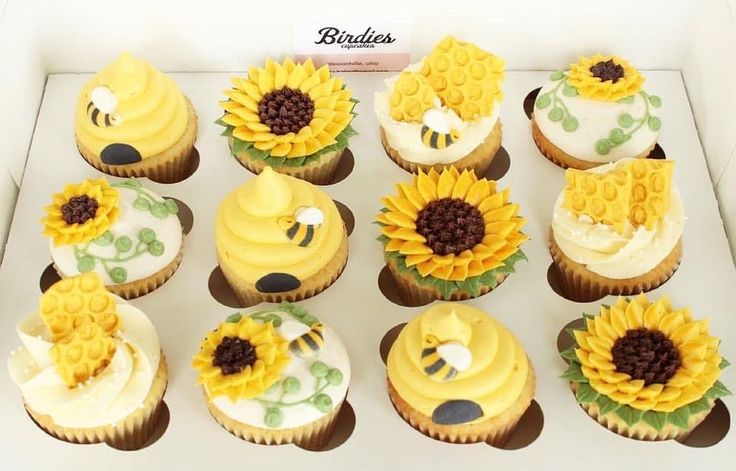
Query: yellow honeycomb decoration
{"points": [[411, 97], [82, 354], [466, 78], [73, 302], [651, 186]]}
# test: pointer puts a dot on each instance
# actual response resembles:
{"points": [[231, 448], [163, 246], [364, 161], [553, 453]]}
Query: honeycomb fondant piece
{"points": [[412, 95], [466, 78], [603, 197], [82, 354], [74, 302], [651, 187]]}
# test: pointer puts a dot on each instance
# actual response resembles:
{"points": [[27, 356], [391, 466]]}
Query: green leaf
{"points": [[606, 405], [574, 374], [239, 146], [625, 120], [627, 99], [171, 206], [569, 354], [543, 101], [86, 264], [701, 405], [472, 286], [656, 420], [556, 114], [654, 123], [104, 239], [724, 364], [446, 288], [655, 101], [617, 136], [142, 204], [717, 390], [585, 394], [603, 146], [234, 318], [679, 417], [629, 415], [556, 75], [570, 124], [569, 91], [133, 183], [228, 132], [221, 122], [588, 316]]}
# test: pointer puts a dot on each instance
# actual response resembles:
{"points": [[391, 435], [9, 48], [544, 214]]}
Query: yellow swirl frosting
{"points": [[252, 240], [582, 77], [130, 102], [493, 378]]}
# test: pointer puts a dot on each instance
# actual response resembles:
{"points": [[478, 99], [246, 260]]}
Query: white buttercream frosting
{"points": [[606, 252], [109, 397]]}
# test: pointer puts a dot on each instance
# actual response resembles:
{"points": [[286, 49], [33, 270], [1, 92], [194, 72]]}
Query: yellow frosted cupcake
{"points": [[450, 235], [133, 121], [91, 368], [443, 110], [291, 117], [645, 370], [458, 375], [279, 238]]}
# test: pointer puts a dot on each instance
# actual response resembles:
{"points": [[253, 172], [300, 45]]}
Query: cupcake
{"points": [[279, 238], [617, 229], [90, 367], [128, 235], [291, 117], [449, 235], [595, 113], [133, 121], [443, 110], [645, 370], [459, 376], [275, 376]]}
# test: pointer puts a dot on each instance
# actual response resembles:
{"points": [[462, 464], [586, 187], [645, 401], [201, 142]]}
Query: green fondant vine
{"points": [[629, 125], [146, 202], [559, 111]]}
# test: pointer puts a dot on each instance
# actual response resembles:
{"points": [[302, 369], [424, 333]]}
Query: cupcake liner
{"points": [[495, 431], [319, 172], [641, 430], [248, 295], [169, 166], [312, 436], [479, 159], [414, 294], [564, 160], [137, 288], [578, 282], [131, 433]]}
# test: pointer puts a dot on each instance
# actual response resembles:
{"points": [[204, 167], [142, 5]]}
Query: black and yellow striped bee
{"points": [[309, 344], [442, 361], [101, 108], [302, 226], [437, 140]]}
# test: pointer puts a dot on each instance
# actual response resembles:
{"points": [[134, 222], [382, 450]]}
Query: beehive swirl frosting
{"points": [[480, 389]]}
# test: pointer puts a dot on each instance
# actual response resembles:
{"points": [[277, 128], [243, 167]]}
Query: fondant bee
{"points": [[443, 361], [436, 140], [302, 226], [102, 108], [309, 344], [438, 128]]}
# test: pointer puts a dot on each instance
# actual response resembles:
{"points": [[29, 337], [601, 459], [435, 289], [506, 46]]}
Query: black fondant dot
{"points": [[277, 283], [457, 411], [120, 154]]}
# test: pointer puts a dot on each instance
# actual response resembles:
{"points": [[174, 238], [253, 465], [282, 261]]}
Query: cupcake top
{"points": [[440, 109], [275, 223], [457, 365], [129, 111], [88, 359], [452, 230], [646, 361], [288, 114], [619, 220], [597, 111], [277, 368], [121, 231]]}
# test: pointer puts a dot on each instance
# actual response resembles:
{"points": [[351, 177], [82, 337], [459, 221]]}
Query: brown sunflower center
{"points": [[233, 354], [79, 209], [646, 354], [285, 110], [607, 70], [450, 225]]}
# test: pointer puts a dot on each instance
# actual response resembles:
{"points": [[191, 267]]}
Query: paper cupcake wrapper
{"points": [[479, 159], [170, 166], [495, 431], [248, 295], [312, 436], [564, 160], [580, 283], [137, 288], [131, 433], [414, 294], [320, 172], [641, 430]]}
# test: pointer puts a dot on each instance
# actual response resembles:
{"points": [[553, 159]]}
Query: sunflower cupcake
{"points": [[132, 120], [617, 229], [459, 376], [128, 235], [443, 110], [275, 376], [450, 235], [291, 117], [279, 238], [645, 370], [90, 368], [595, 113]]}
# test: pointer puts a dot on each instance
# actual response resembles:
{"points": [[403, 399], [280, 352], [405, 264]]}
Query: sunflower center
{"points": [[607, 70], [450, 226], [285, 110], [79, 209], [646, 354], [233, 354]]}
